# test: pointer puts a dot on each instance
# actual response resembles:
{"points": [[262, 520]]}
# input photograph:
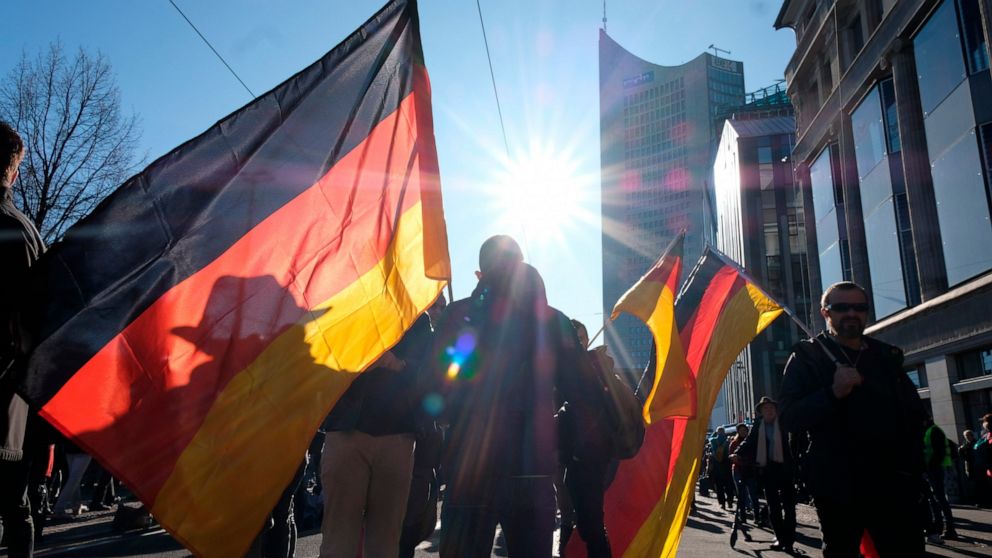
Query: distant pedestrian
{"points": [[70, 501], [966, 451], [20, 246], [720, 471], [937, 460], [745, 475], [983, 462], [865, 423], [767, 446]]}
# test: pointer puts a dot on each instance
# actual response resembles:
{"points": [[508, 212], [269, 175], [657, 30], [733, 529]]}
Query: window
{"points": [[892, 140], [854, 39], [918, 375], [828, 213], [955, 145], [975, 364], [869, 133], [985, 131], [891, 253], [975, 50], [939, 63], [963, 210]]}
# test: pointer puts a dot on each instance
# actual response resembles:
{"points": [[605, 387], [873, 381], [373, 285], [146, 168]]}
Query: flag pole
{"points": [[785, 308], [594, 337]]}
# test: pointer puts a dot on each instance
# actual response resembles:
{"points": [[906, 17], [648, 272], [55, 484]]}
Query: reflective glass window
{"points": [[939, 61], [828, 245], [975, 50], [963, 210], [822, 183], [949, 121], [891, 116], [888, 290], [986, 137], [876, 187], [907, 248], [765, 154], [975, 364], [869, 134]]}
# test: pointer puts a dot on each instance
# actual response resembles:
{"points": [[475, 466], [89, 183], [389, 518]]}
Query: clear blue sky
{"points": [[545, 60]]}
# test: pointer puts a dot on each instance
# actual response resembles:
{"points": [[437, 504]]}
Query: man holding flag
{"points": [[865, 423]]}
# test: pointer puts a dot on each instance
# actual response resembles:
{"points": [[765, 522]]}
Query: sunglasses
{"points": [[841, 307]]}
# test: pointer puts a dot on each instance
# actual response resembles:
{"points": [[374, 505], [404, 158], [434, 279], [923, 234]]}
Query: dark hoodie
{"points": [[500, 355]]}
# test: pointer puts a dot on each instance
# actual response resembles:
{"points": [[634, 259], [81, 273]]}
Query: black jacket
{"points": [[867, 443], [20, 246], [503, 361], [381, 402], [748, 450]]}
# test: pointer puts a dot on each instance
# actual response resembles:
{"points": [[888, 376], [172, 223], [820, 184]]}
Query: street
{"points": [[706, 535]]}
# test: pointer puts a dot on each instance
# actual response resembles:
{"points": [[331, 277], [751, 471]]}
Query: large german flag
{"points": [[718, 312], [652, 299], [194, 330]]}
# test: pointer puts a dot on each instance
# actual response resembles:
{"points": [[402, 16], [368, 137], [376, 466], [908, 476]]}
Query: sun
{"points": [[540, 194]]}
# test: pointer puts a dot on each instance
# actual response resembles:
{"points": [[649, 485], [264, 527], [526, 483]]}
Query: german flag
{"points": [[718, 312], [652, 300], [193, 332]]}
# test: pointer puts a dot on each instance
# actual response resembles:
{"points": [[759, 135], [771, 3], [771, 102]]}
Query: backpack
{"points": [[622, 410]]}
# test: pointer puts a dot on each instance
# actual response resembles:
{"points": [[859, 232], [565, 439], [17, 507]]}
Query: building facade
{"points": [[657, 126], [759, 216], [893, 152]]}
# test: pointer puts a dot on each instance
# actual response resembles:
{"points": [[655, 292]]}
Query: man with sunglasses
{"points": [[864, 419]]}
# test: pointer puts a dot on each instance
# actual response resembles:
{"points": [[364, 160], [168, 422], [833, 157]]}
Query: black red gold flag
{"points": [[652, 299], [718, 312], [193, 331]]}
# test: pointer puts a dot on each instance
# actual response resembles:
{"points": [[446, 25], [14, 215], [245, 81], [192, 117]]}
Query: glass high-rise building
{"points": [[658, 127]]}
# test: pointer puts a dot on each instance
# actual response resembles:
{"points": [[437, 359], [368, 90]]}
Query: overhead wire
{"points": [[499, 111], [492, 75], [221, 58]]}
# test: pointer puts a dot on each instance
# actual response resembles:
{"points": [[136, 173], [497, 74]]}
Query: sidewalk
{"points": [[707, 534], [92, 534]]}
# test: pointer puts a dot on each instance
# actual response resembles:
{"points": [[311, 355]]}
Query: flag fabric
{"points": [[196, 328], [718, 312], [652, 300]]}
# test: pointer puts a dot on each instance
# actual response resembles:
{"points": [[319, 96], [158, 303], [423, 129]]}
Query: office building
{"points": [[759, 218], [658, 126], [893, 151]]}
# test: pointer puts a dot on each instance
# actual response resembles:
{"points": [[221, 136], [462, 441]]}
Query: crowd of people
{"points": [[497, 399]]}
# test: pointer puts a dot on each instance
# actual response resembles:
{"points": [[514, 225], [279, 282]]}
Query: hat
{"points": [[239, 307], [765, 399]]}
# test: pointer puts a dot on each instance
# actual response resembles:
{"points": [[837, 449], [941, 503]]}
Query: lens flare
{"points": [[433, 404]]}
